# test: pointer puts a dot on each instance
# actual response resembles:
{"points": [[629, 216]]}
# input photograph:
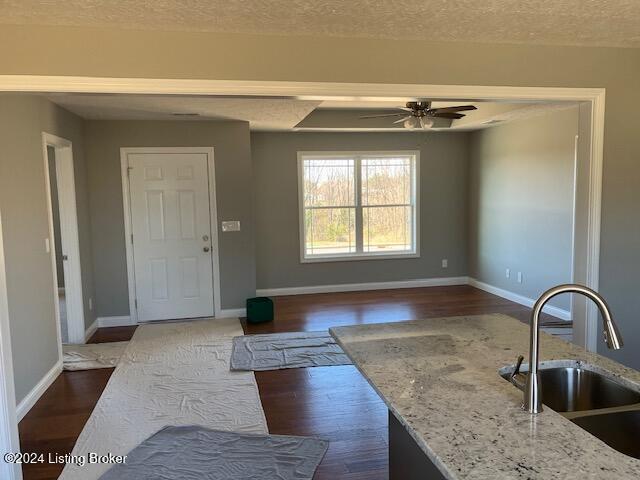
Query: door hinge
{"points": [[129, 171], [132, 238], [136, 303]]}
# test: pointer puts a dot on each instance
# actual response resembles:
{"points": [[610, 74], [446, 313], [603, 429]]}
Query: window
{"points": [[356, 205]]}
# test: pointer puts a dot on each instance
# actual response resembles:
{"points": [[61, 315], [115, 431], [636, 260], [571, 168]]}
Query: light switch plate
{"points": [[231, 226]]}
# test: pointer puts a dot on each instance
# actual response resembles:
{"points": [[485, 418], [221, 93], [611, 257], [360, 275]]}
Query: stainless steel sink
{"points": [[573, 389], [597, 403], [620, 430]]}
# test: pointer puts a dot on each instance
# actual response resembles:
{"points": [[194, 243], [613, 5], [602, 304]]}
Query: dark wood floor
{"points": [[335, 403]]}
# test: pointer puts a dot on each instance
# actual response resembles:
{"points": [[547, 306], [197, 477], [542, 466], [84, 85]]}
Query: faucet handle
{"points": [[518, 383], [516, 371]]}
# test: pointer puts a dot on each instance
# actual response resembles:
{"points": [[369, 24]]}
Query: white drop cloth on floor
{"points": [[92, 355], [170, 374]]}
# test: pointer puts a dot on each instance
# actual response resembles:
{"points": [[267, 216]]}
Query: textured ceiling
{"points": [[552, 22], [278, 114], [261, 113]]}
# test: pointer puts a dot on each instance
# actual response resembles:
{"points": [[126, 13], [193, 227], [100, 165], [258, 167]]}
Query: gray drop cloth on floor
{"points": [[276, 351], [192, 452]]}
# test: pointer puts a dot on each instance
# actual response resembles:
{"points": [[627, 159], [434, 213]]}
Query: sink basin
{"points": [[579, 394], [575, 389], [572, 389], [620, 430]]}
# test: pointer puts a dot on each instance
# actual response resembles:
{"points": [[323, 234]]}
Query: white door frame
{"points": [[9, 441], [128, 226], [65, 178]]}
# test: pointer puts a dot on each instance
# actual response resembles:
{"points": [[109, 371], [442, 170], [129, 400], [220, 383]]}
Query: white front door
{"points": [[171, 227]]}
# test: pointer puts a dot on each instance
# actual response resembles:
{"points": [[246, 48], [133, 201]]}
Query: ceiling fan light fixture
{"points": [[426, 123], [411, 122]]}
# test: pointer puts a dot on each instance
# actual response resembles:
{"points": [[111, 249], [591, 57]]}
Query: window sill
{"points": [[356, 258]]}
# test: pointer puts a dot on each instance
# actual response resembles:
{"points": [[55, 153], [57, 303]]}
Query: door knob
{"points": [[206, 249]]}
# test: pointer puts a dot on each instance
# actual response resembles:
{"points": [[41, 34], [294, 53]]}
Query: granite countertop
{"points": [[440, 379]]}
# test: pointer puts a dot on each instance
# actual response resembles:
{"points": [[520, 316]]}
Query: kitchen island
{"points": [[453, 416]]}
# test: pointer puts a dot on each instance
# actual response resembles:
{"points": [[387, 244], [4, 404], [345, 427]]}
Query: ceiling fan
{"points": [[421, 115]]}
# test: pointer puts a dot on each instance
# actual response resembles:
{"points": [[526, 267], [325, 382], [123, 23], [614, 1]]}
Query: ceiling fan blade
{"points": [[460, 108], [452, 116], [403, 119], [384, 115]]}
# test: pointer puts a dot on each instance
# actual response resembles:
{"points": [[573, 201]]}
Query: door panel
{"points": [[171, 235]]}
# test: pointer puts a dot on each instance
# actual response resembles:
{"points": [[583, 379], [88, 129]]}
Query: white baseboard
{"points": [[557, 330], [91, 330], [357, 287], [36, 392], [232, 312], [521, 299], [120, 321], [125, 320]]}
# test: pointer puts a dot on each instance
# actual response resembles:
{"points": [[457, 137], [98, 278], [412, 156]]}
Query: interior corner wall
{"points": [[521, 204], [443, 209], [30, 287], [234, 197]]}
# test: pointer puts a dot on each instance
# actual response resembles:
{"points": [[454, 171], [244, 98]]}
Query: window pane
{"points": [[386, 181], [387, 229], [330, 231], [329, 183]]}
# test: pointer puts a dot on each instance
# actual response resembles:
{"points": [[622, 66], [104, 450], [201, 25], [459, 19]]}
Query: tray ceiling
{"points": [[281, 114]]}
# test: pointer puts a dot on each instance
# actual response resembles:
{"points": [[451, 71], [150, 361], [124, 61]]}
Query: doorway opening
{"points": [[586, 225], [57, 244], [63, 242]]}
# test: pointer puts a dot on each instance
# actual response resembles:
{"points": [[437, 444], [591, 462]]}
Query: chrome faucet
{"points": [[532, 393]]}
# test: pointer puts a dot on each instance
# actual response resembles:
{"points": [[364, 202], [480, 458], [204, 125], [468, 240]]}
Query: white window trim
{"points": [[415, 253]]}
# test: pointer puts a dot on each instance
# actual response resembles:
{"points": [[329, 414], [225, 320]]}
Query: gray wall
{"points": [[232, 154], [443, 212], [188, 55], [521, 203], [25, 226]]}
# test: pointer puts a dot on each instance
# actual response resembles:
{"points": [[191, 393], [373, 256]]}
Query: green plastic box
{"points": [[259, 310]]}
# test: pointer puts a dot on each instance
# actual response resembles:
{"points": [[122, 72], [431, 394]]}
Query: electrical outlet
{"points": [[519, 277], [445, 263], [507, 273]]}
